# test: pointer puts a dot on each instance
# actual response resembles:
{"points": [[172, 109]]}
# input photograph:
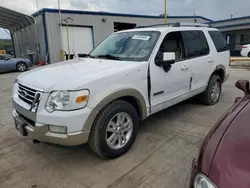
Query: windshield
{"points": [[130, 46]]}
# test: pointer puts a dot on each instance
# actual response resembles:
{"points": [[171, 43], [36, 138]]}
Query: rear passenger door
{"points": [[198, 58]]}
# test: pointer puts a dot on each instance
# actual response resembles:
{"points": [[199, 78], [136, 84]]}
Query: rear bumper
{"points": [[41, 132], [244, 52]]}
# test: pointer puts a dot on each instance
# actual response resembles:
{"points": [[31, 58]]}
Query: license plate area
{"points": [[20, 126]]}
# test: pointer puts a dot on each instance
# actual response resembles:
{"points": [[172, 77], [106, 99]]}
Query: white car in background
{"points": [[245, 52]]}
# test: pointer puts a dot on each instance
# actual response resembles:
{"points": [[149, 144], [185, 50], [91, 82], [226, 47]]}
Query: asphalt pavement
{"points": [[161, 156]]}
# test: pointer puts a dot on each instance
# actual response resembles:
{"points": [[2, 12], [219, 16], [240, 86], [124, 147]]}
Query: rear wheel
{"points": [[114, 130], [21, 67], [213, 92], [248, 54]]}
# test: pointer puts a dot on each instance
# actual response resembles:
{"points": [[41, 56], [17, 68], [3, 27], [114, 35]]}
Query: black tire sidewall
{"points": [[19, 64], [248, 54], [213, 80], [106, 151]]}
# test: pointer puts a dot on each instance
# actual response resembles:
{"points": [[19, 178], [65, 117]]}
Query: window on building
{"points": [[195, 43], [219, 41], [118, 26], [245, 38]]}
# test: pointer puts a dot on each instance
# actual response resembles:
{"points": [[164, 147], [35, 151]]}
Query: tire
{"points": [[21, 67], [99, 136], [214, 85], [248, 54]]}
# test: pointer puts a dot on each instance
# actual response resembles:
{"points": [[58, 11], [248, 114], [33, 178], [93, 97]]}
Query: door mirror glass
{"points": [[169, 57], [244, 86]]}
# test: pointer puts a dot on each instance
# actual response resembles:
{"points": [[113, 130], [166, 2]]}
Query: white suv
{"points": [[131, 75]]}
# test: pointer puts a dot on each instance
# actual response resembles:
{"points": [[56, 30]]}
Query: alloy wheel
{"points": [[119, 130]]}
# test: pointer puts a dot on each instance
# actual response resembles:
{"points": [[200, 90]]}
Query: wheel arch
{"points": [[131, 96], [21, 62], [220, 71]]}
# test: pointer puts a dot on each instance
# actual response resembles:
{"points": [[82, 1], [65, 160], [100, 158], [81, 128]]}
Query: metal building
{"points": [[236, 31], [20, 25], [85, 30]]}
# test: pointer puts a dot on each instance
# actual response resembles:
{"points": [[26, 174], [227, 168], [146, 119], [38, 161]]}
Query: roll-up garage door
{"points": [[80, 40]]}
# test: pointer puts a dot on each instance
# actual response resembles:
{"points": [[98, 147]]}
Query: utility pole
{"points": [[165, 11], [37, 6], [60, 16], [60, 29], [66, 20]]}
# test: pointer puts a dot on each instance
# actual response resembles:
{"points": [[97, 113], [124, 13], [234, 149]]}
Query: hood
{"points": [[231, 165], [213, 138], [72, 75]]}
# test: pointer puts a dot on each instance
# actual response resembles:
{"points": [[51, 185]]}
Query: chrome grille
{"points": [[26, 94]]}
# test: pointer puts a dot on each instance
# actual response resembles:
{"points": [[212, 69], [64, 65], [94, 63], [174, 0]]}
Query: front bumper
{"points": [[41, 132]]}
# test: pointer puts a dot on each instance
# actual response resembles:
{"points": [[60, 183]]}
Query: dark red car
{"points": [[224, 159]]}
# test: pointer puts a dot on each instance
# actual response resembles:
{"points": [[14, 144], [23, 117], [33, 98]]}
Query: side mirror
{"points": [[244, 86], [168, 59]]}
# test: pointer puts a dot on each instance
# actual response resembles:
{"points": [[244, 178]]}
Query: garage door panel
{"points": [[80, 39]]}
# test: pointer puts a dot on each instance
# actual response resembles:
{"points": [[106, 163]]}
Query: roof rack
{"points": [[177, 24]]}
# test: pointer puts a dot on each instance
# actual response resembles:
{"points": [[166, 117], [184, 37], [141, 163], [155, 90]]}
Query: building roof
{"points": [[13, 20], [231, 24], [228, 20], [111, 14]]}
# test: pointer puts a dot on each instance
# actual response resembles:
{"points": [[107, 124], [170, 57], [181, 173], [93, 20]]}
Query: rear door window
{"points": [[195, 43], [219, 41]]}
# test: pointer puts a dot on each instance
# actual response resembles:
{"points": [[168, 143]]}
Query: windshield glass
{"points": [[130, 46]]}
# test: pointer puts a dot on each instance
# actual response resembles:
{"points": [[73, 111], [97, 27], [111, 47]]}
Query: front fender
{"points": [[113, 96]]}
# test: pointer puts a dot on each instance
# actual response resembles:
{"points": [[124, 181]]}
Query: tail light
{"points": [[244, 47]]}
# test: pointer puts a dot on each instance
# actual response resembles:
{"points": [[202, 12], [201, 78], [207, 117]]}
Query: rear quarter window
{"points": [[219, 41]]}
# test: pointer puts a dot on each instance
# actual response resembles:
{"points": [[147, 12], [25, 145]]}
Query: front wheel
{"points": [[114, 130], [213, 92], [21, 67]]}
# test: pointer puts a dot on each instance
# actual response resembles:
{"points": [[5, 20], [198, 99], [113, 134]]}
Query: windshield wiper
{"points": [[85, 55], [88, 55], [108, 56]]}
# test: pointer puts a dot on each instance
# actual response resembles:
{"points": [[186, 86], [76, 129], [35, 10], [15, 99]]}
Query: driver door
{"points": [[169, 86]]}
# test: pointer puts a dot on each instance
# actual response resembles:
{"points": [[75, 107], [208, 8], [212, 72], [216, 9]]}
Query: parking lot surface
{"points": [[160, 157]]}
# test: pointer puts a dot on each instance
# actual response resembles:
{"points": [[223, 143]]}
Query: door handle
{"points": [[184, 67], [210, 61]]}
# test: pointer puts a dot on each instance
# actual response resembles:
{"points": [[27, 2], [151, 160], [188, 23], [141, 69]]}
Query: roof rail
{"points": [[193, 25], [177, 24]]}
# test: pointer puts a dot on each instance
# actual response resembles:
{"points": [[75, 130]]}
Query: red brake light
{"points": [[244, 47]]}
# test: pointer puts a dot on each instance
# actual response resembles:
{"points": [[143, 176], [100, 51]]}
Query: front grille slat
{"points": [[27, 89], [31, 96], [25, 98], [26, 94]]}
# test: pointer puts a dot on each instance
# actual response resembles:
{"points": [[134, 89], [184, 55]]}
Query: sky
{"points": [[212, 9]]}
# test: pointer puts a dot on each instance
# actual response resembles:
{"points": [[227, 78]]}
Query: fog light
{"points": [[58, 129]]}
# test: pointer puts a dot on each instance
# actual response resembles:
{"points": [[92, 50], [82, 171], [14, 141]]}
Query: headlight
{"points": [[201, 181], [67, 100]]}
